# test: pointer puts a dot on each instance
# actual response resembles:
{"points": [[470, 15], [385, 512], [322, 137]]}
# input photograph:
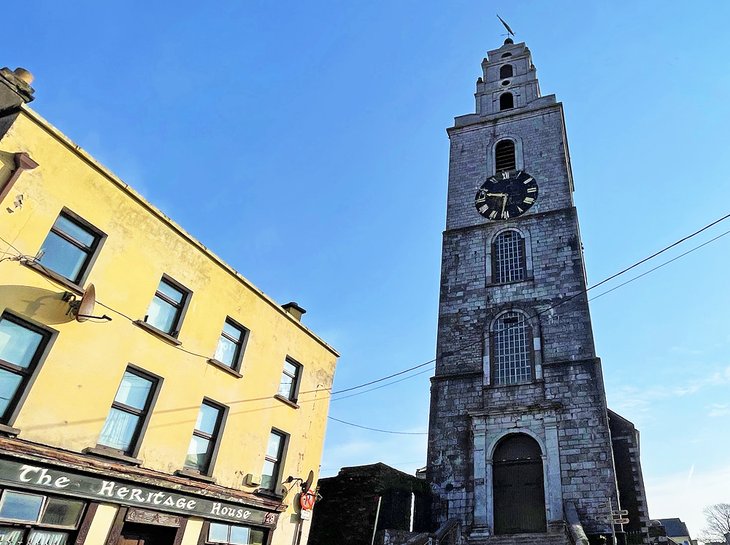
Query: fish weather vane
{"points": [[510, 32]]}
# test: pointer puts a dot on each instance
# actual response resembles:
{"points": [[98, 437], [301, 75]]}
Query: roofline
{"points": [[104, 171]]}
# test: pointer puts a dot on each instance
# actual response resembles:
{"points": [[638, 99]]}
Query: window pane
{"points": [[232, 331], [286, 386], [74, 230], [197, 457], [62, 257], [290, 368], [267, 475], [207, 418], [19, 506], [272, 450], [134, 391], [9, 383], [60, 512], [18, 344], [256, 537], [10, 536], [218, 533], [119, 430], [240, 535], [226, 351], [161, 315], [46, 537], [172, 292]]}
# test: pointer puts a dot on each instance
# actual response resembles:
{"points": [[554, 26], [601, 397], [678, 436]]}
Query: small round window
{"points": [[505, 82], [505, 55]]}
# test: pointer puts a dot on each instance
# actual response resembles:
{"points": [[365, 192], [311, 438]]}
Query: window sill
{"points": [[493, 284], [9, 430], [157, 332], [223, 367], [192, 474], [516, 384], [265, 492], [112, 454], [65, 282], [286, 401]]}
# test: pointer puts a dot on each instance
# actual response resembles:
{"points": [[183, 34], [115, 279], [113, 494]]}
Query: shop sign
{"points": [[46, 479]]}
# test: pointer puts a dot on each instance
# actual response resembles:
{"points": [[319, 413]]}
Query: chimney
{"points": [[295, 310], [15, 88]]}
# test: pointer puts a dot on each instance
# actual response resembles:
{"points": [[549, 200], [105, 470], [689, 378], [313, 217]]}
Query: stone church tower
{"points": [[519, 431]]}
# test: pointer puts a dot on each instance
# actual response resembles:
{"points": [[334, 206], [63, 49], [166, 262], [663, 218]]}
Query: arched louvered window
{"points": [[508, 257], [506, 101], [504, 156], [511, 348], [505, 71]]}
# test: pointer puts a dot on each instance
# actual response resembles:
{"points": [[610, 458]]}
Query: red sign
{"points": [[307, 499]]}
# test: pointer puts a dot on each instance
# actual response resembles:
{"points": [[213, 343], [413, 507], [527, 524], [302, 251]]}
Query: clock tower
{"points": [[519, 439]]}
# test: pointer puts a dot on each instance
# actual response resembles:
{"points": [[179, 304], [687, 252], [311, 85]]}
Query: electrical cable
{"points": [[469, 345], [378, 430], [382, 385], [538, 313]]}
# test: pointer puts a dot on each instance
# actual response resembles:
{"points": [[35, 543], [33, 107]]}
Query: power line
{"points": [[469, 345], [382, 385], [538, 313], [378, 430], [660, 266]]}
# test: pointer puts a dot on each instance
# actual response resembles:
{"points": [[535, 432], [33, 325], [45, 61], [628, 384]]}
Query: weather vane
{"points": [[509, 30]]}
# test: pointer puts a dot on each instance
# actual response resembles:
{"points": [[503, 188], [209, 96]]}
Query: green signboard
{"points": [[46, 479]]}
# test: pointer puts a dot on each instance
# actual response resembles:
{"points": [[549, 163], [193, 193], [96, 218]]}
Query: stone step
{"points": [[523, 539]]}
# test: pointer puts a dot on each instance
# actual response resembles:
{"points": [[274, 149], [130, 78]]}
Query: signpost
{"points": [[613, 517]]}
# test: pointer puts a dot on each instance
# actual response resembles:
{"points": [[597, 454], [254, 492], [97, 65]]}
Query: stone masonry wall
{"points": [[568, 391]]}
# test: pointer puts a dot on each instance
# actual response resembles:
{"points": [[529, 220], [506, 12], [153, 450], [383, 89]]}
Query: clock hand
{"points": [[504, 202]]}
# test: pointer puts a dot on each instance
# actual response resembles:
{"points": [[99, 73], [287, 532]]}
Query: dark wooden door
{"points": [[519, 493], [144, 534], [519, 498]]}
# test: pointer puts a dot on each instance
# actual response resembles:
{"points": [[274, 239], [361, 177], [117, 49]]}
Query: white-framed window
{"points": [[35, 519]]}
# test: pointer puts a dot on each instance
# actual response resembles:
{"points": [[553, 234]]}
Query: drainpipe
{"points": [[377, 515]]}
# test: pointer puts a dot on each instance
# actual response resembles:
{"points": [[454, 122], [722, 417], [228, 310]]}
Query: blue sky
{"points": [[304, 142]]}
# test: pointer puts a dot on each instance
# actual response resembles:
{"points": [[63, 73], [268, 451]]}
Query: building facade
{"points": [[519, 434], [369, 504], [176, 404]]}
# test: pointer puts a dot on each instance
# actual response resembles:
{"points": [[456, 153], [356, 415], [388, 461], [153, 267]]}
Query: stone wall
{"points": [[346, 512]]}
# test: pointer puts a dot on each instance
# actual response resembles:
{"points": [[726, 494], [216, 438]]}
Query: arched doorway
{"points": [[519, 493]]}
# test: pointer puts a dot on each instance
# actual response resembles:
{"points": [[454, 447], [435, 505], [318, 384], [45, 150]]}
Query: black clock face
{"points": [[506, 195]]}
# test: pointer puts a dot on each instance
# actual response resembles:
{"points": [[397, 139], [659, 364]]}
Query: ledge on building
{"points": [[267, 493], [223, 367], [65, 282], [192, 474], [112, 454], [9, 430], [286, 401], [157, 332]]}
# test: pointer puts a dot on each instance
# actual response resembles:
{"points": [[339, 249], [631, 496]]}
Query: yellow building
{"points": [[190, 417]]}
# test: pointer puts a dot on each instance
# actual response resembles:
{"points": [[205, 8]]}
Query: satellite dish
{"points": [[85, 308], [306, 485]]}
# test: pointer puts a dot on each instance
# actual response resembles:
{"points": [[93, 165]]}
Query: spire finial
{"points": [[510, 32]]}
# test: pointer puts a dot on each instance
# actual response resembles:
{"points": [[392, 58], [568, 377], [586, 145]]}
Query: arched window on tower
{"points": [[505, 71], [511, 348], [506, 101], [504, 156], [508, 257]]}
